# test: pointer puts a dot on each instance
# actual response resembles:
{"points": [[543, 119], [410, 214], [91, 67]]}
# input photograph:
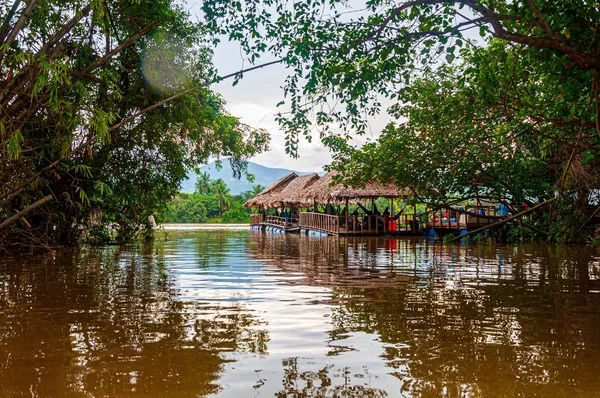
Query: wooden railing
{"points": [[443, 218], [452, 218], [477, 216], [358, 225], [320, 222], [283, 222], [256, 219], [368, 224], [403, 223]]}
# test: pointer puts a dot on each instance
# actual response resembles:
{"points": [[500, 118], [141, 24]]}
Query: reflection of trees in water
{"points": [[325, 382], [107, 321], [458, 320], [571, 267], [492, 338], [210, 247]]}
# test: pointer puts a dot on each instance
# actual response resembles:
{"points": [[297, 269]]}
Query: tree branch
{"points": [[188, 91], [21, 22], [511, 218], [26, 210], [4, 28], [100, 61]]}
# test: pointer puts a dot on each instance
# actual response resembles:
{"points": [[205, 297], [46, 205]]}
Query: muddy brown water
{"points": [[239, 313]]}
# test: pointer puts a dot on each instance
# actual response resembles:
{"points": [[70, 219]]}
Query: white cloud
{"points": [[313, 156]]}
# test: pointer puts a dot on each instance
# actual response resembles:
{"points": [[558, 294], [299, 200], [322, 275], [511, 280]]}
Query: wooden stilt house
{"points": [[313, 203]]}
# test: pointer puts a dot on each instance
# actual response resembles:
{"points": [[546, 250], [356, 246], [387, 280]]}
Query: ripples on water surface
{"points": [[243, 313]]}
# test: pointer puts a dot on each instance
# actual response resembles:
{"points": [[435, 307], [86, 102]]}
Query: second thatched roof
{"points": [[262, 198], [323, 192]]}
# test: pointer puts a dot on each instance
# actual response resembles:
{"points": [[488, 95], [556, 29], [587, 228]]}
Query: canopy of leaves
{"points": [[499, 124], [346, 58], [105, 105], [498, 99]]}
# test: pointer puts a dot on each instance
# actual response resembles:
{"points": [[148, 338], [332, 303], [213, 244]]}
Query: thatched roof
{"points": [[321, 192], [261, 199], [372, 189], [293, 190], [317, 192], [288, 196]]}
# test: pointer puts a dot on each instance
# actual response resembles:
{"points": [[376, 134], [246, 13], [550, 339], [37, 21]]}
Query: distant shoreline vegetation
{"points": [[211, 203]]}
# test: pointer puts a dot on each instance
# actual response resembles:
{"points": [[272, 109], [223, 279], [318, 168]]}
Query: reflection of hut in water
{"points": [[471, 312], [360, 261], [314, 203]]}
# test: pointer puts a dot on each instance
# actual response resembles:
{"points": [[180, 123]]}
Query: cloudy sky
{"points": [[253, 100]]}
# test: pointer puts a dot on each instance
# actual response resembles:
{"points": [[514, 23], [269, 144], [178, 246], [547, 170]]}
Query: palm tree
{"points": [[256, 189], [220, 189], [203, 184]]}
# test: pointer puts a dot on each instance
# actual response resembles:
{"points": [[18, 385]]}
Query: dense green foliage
{"points": [[105, 105], [186, 208], [212, 202], [498, 100]]}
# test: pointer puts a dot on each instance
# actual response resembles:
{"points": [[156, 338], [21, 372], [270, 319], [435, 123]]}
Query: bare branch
{"points": [[21, 22], [26, 210]]}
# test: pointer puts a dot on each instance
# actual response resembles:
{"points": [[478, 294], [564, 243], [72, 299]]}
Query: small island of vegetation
{"points": [[211, 202]]}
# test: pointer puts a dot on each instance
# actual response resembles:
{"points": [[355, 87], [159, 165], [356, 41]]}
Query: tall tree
{"points": [[256, 189], [203, 184], [223, 194], [105, 104]]}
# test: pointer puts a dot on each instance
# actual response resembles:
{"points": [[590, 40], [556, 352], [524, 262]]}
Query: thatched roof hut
{"points": [[322, 192], [262, 198], [288, 196], [305, 191]]}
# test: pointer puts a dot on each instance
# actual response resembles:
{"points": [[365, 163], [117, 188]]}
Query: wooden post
{"points": [[392, 211], [414, 224], [347, 211]]}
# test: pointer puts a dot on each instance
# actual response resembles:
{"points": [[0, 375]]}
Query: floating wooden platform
{"points": [[375, 225], [341, 225]]}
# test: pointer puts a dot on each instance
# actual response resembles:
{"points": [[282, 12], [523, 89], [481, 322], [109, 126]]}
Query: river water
{"points": [[239, 313]]}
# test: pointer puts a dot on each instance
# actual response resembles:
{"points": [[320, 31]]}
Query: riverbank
{"points": [[179, 227]]}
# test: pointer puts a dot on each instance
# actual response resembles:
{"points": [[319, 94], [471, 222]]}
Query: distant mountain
{"points": [[262, 175]]}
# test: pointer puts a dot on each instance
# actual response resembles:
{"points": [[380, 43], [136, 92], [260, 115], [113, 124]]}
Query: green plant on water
{"points": [[449, 237], [99, 234]]}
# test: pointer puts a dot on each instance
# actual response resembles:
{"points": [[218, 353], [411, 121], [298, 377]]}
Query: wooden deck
{"points": [[449, 220], [286, 223], [359, 225]]}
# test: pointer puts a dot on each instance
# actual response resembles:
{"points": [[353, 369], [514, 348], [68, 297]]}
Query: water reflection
{"points": [[239, 313], [459, 320], [108, 322]]}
